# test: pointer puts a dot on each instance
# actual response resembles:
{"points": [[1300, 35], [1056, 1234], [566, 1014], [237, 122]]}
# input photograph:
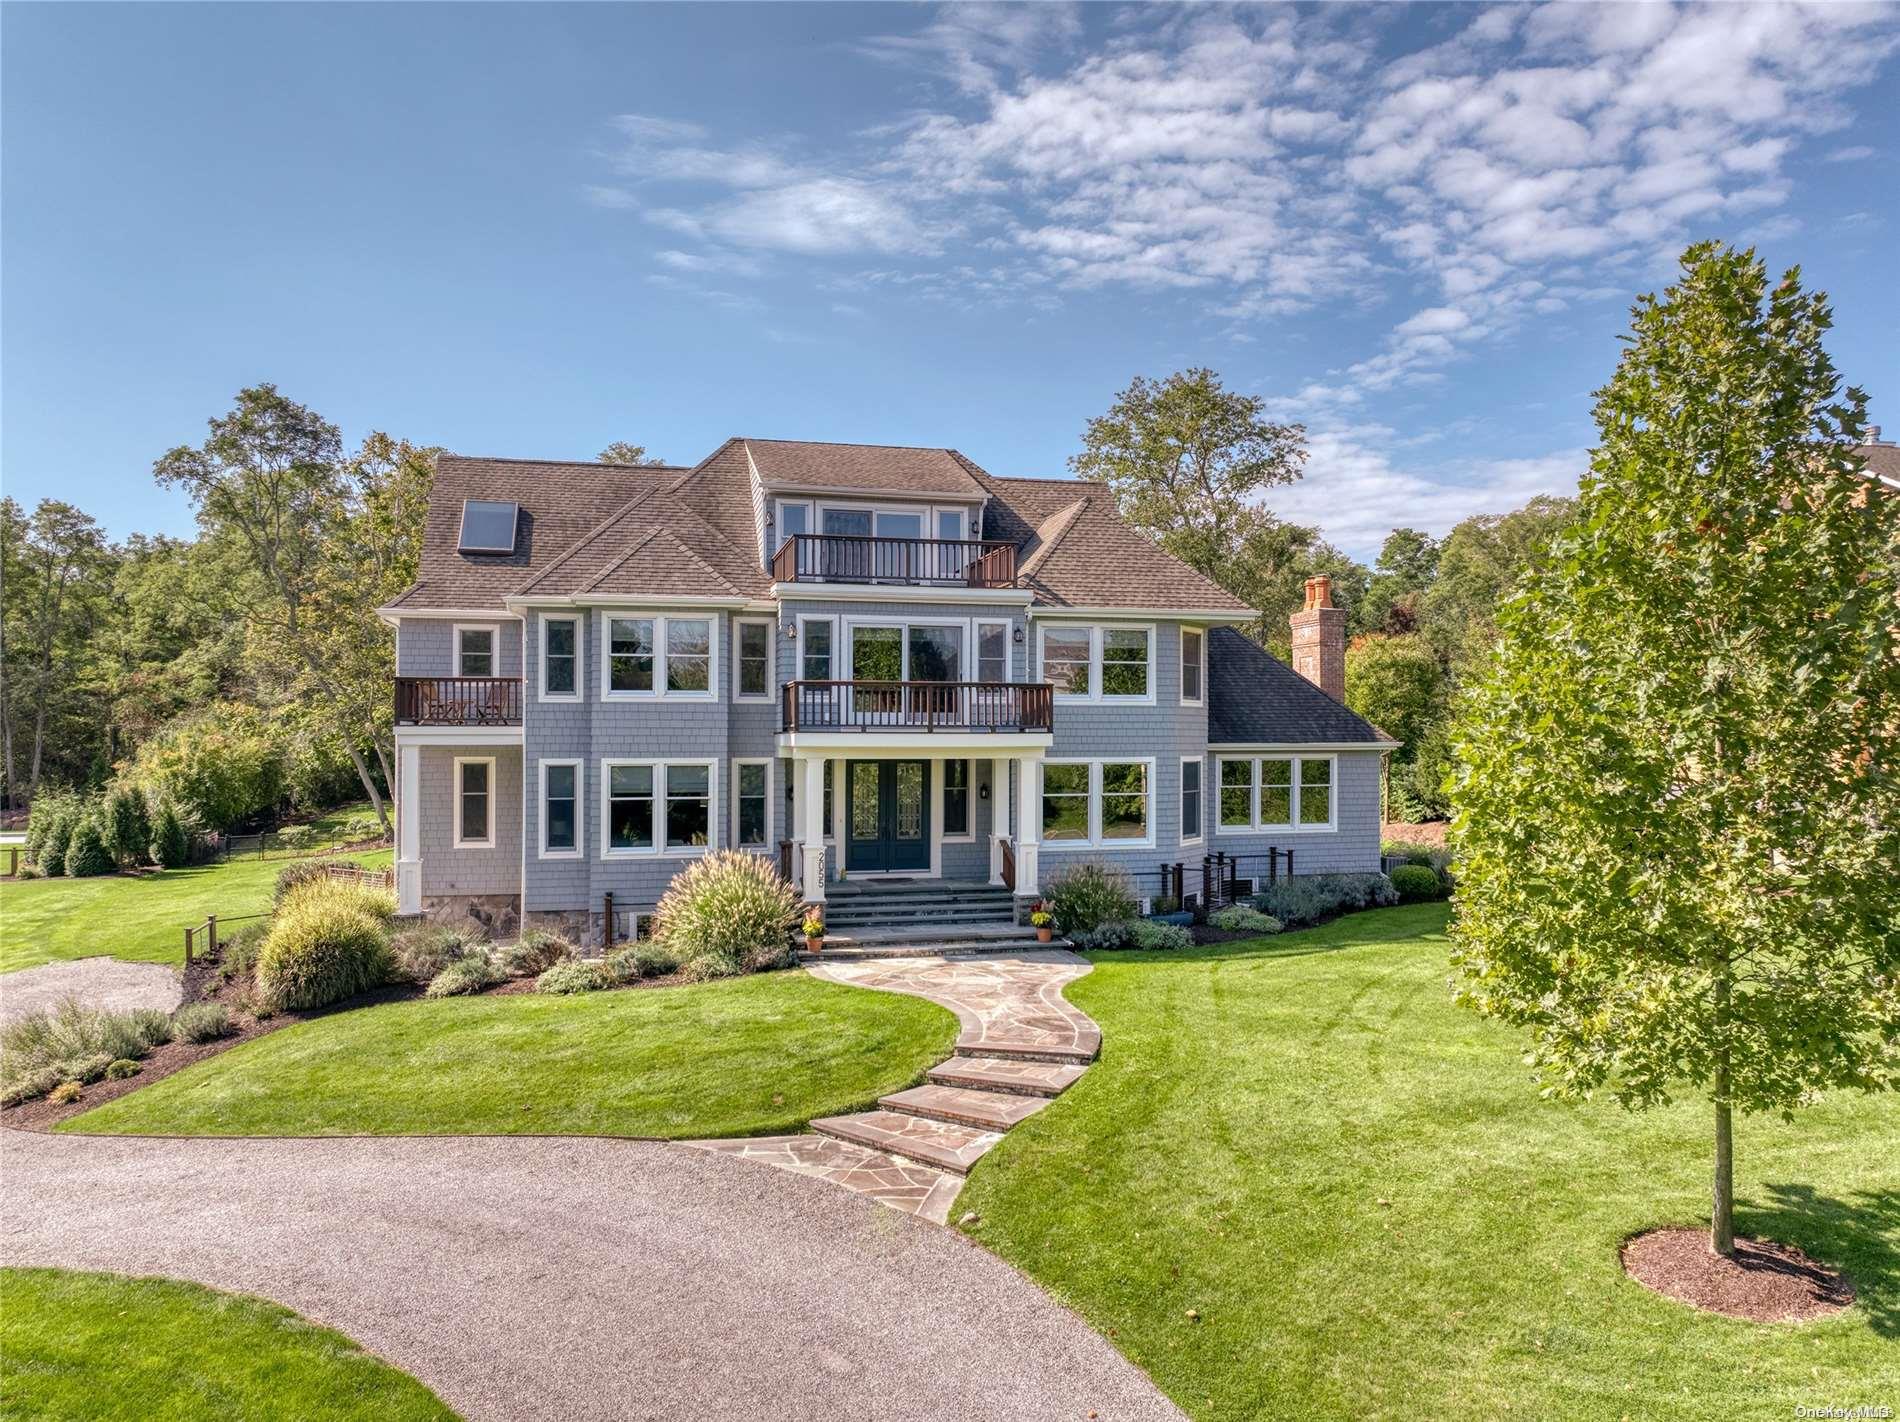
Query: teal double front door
{"points": [[887, 816]]}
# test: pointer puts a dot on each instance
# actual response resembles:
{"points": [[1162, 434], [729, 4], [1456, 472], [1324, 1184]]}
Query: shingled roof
{"points": [[628, 530], [1256, 699]]}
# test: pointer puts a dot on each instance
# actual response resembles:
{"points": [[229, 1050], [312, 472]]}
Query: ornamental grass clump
{"points": [[1160, 937], [576, 975], [1240, 918], [329, 940], [422, 954], [642, 960], [72, 1043], [1088, 896], [473, 972], [534, 953], [725, 914], [201, 1022]]}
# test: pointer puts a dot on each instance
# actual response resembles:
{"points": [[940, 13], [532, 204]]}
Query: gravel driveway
{"points": [[97, 982], [566, 1278]]}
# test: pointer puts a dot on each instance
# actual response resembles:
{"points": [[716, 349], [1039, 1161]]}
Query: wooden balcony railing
{"points": [[917, 706], [458, 701], [847, 558]]}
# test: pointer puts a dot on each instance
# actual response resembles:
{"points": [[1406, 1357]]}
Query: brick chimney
{"points": [[1319, 639]]}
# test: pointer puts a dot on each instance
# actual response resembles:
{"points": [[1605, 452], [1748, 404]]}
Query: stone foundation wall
{"points": [[497, 915]]}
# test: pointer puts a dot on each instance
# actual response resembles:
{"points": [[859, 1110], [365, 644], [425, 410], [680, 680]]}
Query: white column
{"points": [[1029, 828], [408, 828], [999, 815], [811, 797]]}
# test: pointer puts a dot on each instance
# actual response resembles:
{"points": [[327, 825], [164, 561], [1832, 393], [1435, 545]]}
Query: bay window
{"points": [[657, 656], [653, 806], [688, 806], [1099, 663], [1066, 659]]}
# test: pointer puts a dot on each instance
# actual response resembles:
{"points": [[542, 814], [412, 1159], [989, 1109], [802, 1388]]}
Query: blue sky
{"points": [[533, 230]]}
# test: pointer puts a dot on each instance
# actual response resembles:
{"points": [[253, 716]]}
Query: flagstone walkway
{"points": [[1021, 1045]]}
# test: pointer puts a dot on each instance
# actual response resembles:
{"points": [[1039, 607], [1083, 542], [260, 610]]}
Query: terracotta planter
{"points": [[1043, 934], [814, 945]]}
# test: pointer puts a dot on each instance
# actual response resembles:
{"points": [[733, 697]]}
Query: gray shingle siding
{"points": [[425, 646], [448, 870]]}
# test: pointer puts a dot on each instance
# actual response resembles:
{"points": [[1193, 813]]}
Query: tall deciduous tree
{"points": [[1677, 802], [1187, 460], [1408, 562], [620, 452]]}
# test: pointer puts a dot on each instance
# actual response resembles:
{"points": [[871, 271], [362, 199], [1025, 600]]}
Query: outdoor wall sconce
{"points": [[791, 631], [983, 791], [1018, 637]]}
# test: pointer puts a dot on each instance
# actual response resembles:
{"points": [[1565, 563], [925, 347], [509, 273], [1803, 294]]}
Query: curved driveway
{"points": [[569, 1278]]}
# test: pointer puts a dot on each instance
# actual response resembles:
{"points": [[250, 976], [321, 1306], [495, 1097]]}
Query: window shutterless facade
{"points": [[656, 806], [992, 651], [648, 655], [477, 650], [560, 658], [1193, 666], [1097, 804], [815, 636], [1191, 800], [957, 820], [752, 648], [474, 802], [560, 809], [1287, 793], [1108, 663], [752, 803]]}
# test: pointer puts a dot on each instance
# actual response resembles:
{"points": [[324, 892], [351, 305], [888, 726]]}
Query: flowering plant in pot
{"points": [[814, 929], [1040, 919]]}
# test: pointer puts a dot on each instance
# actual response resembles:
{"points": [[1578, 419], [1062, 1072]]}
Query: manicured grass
{"points": [[748, 1056], [1356, 1185], [140, 918], [103, 1346]]}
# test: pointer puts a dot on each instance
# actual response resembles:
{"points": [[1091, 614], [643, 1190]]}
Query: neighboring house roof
{"points": [[632, 530], [1883, 462], [1255, 699]]}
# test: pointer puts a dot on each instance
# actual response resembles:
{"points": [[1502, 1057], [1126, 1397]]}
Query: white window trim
{"points": [[805, 619], [659, 621], [903, 625], [1254, 826], [494, 631], [771, 817], [580, 671], [969, 800], [659, 849], [1200, 829], [778, 518], [1095, 843], [579, 851], [771, 658], [1201, 633], [1095, 695], [976, 645], [456, 839]]}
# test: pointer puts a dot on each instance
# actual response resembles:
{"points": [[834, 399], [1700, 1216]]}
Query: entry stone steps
{"points": [[1040, 1052], [929, 947], [965, 1106], [1044, 1079], [886, 913], [941, 1144]]}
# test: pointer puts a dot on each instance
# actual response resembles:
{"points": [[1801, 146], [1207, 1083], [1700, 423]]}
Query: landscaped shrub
{"points": [[49, 827], [421, 954], [152, 1025], [728, 913], [534, 953], [123, 1068], [1104, 937], [86, 853], [128, 830], [1415, 882], [237, 954], [295, 839], [1240, 918], [66, 1093], [71, 1031], [360, 828], [87, 1069], [641, 960], [1161, 937], [328, 941], [1088, 895], [220, 764], [472, 972], [201, 1022], [171, 846], [1301, 901], [575, 975], [29, 1086], [298, 872]]}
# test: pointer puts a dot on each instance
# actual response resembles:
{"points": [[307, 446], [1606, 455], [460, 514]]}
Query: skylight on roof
{"points": [[487, 526]]}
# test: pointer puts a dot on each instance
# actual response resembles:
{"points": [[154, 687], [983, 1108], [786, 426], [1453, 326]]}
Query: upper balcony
{"points": [[458, 701], [980, 706], [912, 562]]}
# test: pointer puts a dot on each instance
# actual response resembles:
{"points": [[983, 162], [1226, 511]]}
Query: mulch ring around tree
{"points": [[1763, 1282]]}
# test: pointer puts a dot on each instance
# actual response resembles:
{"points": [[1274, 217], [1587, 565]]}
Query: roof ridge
{"points": [[588, 537], [1068, 516], [845, 443], [618, 563], [560, 463]]}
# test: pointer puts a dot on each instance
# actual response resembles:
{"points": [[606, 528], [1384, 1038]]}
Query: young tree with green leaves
{"points": [[1677, 794], [620, 452], [1408, 562]]}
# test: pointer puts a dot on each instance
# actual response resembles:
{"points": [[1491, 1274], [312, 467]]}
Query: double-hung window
{"points": [[1193, 665], [647, 806], [752, 803], [474, 802], [1125, 652], [1099, 663], [475, 651], [992, 651], [1103, 803], [956, 799], [1066, 660], [753, 675], [560, 658], [659, 656], [814, 649], [1190, 800], [1276, 792], [560, 809]]}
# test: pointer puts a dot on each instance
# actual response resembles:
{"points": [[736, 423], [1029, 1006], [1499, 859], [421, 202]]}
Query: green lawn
{"points": [[142, 919], [1358, 1188], [748, 1056], [103, 1346]]}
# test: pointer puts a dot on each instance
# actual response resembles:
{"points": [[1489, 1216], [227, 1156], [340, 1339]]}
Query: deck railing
{"points": [[850, 558], [458, 701], [917, 706]]}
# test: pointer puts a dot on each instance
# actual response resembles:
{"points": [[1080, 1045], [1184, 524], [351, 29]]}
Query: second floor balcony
{"points": [[458, 701], [1000, 706], [913, 562]]}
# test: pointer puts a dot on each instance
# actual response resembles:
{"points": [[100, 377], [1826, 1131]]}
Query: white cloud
{"points": [[1852, 154]]}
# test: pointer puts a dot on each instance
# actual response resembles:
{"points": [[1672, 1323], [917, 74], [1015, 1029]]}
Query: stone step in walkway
{"points": [[1020, 1046]]}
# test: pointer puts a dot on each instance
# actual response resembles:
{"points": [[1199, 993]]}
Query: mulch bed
{"points": [[1764, 1282]]}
